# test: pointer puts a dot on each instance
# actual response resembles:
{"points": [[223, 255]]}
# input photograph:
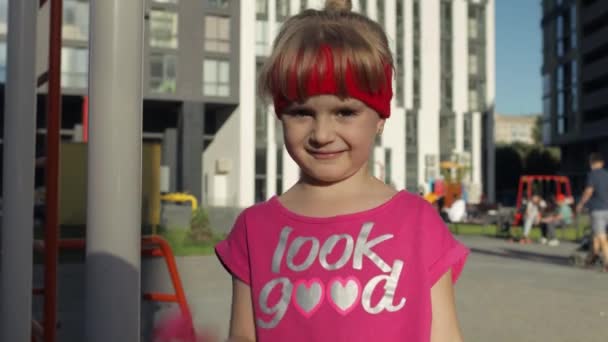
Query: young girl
{"points": [[340, 256]]}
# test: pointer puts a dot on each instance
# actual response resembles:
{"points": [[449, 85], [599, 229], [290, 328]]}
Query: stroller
{"points": [[580, 255]]}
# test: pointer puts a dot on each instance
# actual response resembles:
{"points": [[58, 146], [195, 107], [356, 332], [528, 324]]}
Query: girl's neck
{"points": [[355, 194]]}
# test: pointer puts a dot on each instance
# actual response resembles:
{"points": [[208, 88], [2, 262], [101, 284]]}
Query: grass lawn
{"points": [[182, 245], [567, 234]]}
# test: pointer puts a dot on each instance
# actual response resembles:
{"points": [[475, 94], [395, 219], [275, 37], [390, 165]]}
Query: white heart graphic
{"points": [[307, 297], [344, 294]]}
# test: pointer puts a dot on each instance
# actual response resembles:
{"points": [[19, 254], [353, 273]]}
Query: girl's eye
{"points": [[346, 113], [299, 113]]}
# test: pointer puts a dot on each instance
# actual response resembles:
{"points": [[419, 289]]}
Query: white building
{"points": [[509, 129], [444, 98]]}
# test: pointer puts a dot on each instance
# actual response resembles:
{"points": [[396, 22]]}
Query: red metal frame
{"points": [[526, 181], [53, 122], [151, 246]]}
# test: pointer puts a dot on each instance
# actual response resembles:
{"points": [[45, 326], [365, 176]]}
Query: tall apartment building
{"points": [[575, 81], [225, 146], [444, 91]]}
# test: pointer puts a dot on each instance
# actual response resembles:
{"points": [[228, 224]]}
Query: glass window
{"points": [[219, 3], [363, 6], [3, 16], [380, 12], [260, 123], [473, 100], [574, 99], [217, 34], [473, 64], [560, 27], [2, 62], [282, 8], [303, 4], [261, 38], [163, 29], [216, 77], [573, 18], [261, 8], [75, 20], [473, 29], [560, 77], [74, 67], [573, 70], [163, 72], [561, 103], [546, 107], [388, 165], [547, 84], [467, 132]]}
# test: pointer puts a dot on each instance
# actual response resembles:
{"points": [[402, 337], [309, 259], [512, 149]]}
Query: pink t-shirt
{"points": [[365, 276]]}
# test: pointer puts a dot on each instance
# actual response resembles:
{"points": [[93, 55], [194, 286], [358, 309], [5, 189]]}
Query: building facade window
{"points": [[75, 20], [279, 170], [261, 38], [411, 150], [2, 62], [163, 29], [447, 135], [363, 6], [260, 124], [446, 55], [261, 8], [216, 77], [260, 174], [217, 34], [219, 3], [3, 17], [74, 67], [467, 132], [163, 72], [282, 9], [560, 36], [574, 86], [417, 70], [303, 4], [380, 12], [399, 87], [388, 166], [477, 55]]}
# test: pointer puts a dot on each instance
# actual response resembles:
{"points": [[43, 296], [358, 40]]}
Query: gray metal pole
{"points": [[113, 304], [18, 180]]}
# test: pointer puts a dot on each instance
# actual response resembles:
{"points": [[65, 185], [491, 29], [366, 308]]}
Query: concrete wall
{"points": [[220, 188]]}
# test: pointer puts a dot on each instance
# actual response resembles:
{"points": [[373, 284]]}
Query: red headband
{"points": [[325, 83]]}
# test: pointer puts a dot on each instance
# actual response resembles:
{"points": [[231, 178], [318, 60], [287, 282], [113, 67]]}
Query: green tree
{"points": [[537, 131]]}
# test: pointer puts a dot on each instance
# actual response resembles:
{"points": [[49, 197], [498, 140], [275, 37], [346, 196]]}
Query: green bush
{"points": [[198, 239]]}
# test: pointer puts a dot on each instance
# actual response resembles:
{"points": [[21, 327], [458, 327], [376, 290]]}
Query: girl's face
{"points": [[329, 138]]}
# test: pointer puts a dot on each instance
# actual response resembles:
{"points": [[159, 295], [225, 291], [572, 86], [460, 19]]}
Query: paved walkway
{"points": [[506, 293]]}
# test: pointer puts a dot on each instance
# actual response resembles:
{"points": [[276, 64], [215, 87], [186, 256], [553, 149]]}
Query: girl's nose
{"points": [[323, 131]]}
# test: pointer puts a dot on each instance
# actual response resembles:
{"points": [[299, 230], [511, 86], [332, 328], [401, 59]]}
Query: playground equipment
{"points": [[151, 246], [545, 185]]}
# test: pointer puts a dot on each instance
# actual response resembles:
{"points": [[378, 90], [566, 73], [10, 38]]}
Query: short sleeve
{"points": [[233, 252], [442, 251], [591, 179]]}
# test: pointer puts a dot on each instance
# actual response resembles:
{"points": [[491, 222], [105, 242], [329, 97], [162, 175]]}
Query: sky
{"points": [[518, 56]]}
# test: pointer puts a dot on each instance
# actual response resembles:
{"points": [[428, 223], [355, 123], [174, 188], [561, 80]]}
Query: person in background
{"points": [[561, 217], [531, 217], [595, 197]]}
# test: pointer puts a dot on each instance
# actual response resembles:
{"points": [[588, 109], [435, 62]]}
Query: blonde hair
{"points": [[354, 41]]}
